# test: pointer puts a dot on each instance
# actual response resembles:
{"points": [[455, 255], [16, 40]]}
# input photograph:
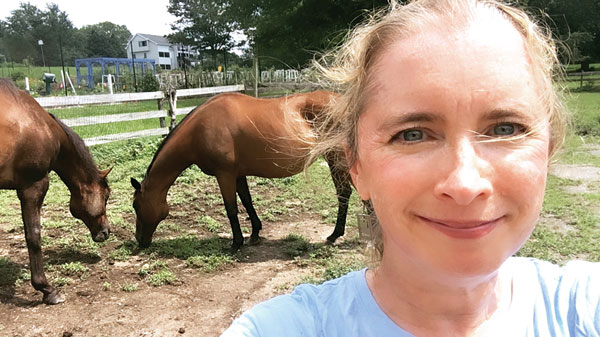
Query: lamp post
{"points": [[41, 44]]}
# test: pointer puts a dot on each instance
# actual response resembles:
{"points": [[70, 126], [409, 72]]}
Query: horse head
{"points": [[150, 211], [89, 205]]}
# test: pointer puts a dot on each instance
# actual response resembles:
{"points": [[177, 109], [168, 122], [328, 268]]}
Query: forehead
{"points": [[484, 56]]}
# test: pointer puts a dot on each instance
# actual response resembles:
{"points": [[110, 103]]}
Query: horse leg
{"points": [[341, 181], [228, 188], [31, 199], [244, 193]]}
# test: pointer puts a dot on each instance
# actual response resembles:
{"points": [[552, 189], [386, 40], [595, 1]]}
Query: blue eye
{"points": [[504, 129], [412, 135]]}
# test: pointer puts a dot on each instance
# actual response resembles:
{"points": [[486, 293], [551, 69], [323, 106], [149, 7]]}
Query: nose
{"points": [[468, 177], [102, 235]]}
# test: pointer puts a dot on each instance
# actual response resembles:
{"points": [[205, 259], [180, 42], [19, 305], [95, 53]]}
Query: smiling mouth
{"points": [[463, 229]]}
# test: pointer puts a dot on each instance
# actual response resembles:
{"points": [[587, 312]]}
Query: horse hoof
{"points": [[235, 248], [254, 241], [331, 240], [53, 298]]}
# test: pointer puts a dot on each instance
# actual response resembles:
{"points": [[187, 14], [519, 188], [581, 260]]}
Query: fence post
{"points": [[581, 80], [255, 76], [160, 107], [172, 107]]}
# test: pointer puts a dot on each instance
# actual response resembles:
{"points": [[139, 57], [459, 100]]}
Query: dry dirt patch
{"points": [[199, 304]]}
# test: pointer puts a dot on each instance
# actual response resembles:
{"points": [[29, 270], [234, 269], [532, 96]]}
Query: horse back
{"points": [[28, 142], [261, 137]]}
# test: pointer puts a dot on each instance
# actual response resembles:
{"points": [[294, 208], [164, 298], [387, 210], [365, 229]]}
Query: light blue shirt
{"points": [[548, 300]]}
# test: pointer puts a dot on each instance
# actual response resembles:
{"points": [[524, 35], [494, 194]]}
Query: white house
{"points": [[158, 48]]}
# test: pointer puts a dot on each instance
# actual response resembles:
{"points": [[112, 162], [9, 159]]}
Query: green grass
{"points": [[295, 245], [129, 287], [585, 108], [74, 268], [209, 263], [209, 223]]}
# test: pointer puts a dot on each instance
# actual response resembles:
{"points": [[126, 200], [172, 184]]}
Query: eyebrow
{"points": [[499, 114], [411, 117]]}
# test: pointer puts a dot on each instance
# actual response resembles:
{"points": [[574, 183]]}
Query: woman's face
{"points": [[453, 148]]}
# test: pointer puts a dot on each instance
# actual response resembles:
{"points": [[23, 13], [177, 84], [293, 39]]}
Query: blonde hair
{"points": [[346, 69]]}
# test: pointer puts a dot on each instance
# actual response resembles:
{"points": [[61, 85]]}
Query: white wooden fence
{"points": [[159, 96]]}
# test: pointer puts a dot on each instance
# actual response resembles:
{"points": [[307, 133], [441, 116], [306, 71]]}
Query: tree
{"points": [[27, 25], [204, 24], [577, 24], [291, 32], [105, 39]]}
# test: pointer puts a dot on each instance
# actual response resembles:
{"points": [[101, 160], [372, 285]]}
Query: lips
{"points": [[463, 229]]}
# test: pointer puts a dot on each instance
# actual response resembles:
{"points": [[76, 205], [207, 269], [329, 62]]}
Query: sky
{"points": [[140, 16]]}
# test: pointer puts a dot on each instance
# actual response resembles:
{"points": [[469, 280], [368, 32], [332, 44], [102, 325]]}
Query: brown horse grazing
{"points": [[232, 136], [32, 143]]}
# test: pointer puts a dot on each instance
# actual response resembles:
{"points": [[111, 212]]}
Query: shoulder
{"points": [[564, 297], [574, 273], [299, 313]]}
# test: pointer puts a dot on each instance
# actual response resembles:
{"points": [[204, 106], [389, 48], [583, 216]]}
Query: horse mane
{"points": [[79, 145], [164, 142]]}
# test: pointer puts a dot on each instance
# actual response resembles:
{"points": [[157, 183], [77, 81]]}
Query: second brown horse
{"points": [[232, 136]]}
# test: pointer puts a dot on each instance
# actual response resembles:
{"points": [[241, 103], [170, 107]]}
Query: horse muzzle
{"points": [[102, 235]]}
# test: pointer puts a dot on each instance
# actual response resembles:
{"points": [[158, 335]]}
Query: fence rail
{"points": [[159, 96], [587, 76]]}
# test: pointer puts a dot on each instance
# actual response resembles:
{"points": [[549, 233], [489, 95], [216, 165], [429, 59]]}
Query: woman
{"points": [[448, 119]]}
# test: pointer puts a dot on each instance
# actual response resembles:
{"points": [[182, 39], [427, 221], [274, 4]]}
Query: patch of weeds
{"points": [[56, 224], [148, 268], [208, 222], [120, 254], [556, 201], [324, 251], [295, 245], [162, 277], [168, 226], [187, 246], [73, 245], [73, 269], [116, 220], [336, 268], [129, 287], [310, 279], [106, 286], [62, 281], [209, 263]]}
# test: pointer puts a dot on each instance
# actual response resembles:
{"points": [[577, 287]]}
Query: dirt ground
{"points": [[198, 304]]}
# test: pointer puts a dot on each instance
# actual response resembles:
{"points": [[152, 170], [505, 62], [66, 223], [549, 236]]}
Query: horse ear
{"points": [[136, 184], [104, 173]]}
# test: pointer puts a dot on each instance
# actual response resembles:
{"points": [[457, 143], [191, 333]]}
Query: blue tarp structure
{"points": [[104, 61]]}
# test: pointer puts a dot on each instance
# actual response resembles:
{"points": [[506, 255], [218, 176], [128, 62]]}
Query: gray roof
{"points": [[156, 39]]}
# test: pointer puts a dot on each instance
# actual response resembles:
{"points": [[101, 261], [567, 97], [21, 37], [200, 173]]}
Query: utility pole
{"points": [[133, 65], [41, 44]]}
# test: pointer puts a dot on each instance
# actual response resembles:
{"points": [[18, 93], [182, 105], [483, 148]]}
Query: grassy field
{"points": [[276, 200]]}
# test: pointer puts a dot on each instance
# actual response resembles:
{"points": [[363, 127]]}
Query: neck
{"points": [[166, 167], [73, 169], [426, 305]]}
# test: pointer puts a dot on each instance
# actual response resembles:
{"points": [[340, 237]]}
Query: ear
{"points": [[136, 184], [104, 173], [355, 173]]}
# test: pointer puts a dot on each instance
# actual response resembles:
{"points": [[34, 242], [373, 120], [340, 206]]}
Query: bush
{"points": [[17, 76], [150, 83]]}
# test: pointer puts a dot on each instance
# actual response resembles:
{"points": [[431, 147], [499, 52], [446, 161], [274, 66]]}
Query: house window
{"points": [[165, 66], [142, 43], [163, 54]]}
